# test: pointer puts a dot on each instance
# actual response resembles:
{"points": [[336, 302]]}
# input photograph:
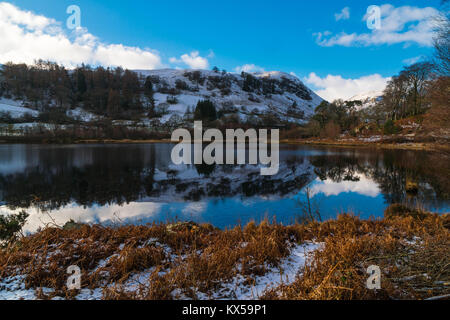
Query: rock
{"points": [[72, 225], [181, 226]]}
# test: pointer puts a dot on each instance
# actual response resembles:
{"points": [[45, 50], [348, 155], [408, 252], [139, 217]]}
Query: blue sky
{"points": [[325, 43]]}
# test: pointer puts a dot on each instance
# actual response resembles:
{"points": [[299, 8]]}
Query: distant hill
{"points": [[368, 99]]}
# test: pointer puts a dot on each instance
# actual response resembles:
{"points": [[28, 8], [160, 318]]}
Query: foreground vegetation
{"points": [[190, 261]]}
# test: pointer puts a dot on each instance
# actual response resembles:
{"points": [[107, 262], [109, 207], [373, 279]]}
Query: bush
{"points": [[172, 100], [181, 85], [56, 116], [11, 226], [6, 117], [332, 130], [205, 110], [400, 210], [391, 128]]}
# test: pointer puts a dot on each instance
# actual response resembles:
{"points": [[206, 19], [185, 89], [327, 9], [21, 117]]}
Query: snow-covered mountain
{"points": [[247, 94], [368, 99]]}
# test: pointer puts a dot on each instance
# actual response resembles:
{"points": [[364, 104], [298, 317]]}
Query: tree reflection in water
{"points": [[50, 177]]}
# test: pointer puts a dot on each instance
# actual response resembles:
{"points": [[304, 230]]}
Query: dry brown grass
{"points": [[185, 259], [413, 253]]}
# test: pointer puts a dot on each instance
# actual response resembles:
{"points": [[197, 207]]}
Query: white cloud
{"points": [[195, 209], [128, 213], [193, 60], [26, 37], [249, 68], [334, 87], [364, 186], [413, 60], [404, 24], [343, 15]]}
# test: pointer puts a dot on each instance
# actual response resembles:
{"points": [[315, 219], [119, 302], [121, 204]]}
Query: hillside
{"points": [[246, 94], [153, 99], [367, 99]]}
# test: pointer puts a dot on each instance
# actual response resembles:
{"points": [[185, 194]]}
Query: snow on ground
{"points": [[79, 113], [286, 274], [15, 109], [372, 139], [13, 288]]}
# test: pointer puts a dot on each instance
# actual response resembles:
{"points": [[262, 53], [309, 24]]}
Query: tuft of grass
{"points": [[412, 254], [400, 210]]}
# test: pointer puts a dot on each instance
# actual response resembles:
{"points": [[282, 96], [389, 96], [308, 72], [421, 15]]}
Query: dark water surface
{"points": [[139, 184]]}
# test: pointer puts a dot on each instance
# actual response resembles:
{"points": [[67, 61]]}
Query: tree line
{"points": [[419, 90], [112, 92]]}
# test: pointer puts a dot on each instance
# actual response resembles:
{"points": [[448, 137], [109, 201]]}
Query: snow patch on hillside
{"points": [[368, 99], [15, 109]]}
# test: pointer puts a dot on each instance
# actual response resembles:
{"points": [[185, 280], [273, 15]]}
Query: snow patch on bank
{"points": [[286, 274], [13, 288]]}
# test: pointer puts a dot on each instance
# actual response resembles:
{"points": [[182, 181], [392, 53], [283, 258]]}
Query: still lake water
{"points": [[137, 183]]}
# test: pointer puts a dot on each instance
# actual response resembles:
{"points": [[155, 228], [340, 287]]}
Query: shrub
{"points": [[205, 110], [172, 100], [11, 226], [400, 210], [332, 130], [391, 128], [181, 85]]}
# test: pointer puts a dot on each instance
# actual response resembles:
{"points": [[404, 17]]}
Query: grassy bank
{"points": [[267, 261], [387, 144]]}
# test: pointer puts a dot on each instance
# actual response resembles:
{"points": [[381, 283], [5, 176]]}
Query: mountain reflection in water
{"points": [[138, 184]]}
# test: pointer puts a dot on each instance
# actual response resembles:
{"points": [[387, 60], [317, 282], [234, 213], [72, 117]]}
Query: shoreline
{"points": [[417, 146]]}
